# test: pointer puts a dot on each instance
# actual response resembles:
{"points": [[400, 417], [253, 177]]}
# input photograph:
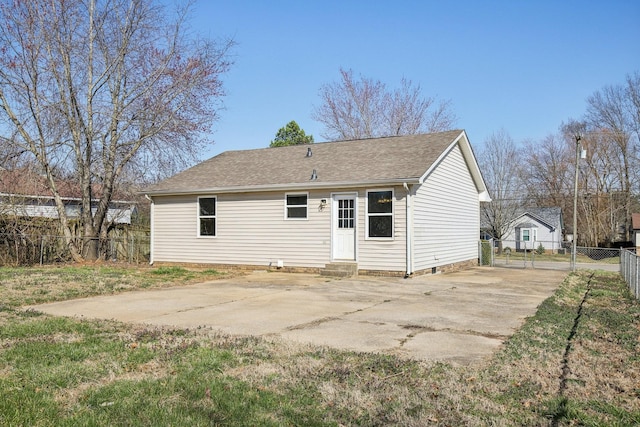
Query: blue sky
{"points": [[525, 66]]}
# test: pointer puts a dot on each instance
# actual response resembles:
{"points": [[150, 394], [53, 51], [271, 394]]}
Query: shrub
{"points": [[540, 250]]}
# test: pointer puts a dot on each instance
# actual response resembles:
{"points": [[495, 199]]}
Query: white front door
{"points": [[344, 227]]}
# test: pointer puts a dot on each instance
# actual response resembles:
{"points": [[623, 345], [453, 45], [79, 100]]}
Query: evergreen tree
{"points": [[291, 134]]}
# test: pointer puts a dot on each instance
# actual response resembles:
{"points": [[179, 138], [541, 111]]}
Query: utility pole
{"points": [[575, 207]]}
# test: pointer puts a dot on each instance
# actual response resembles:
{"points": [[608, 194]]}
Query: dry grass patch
{"points": [[576, 362], [35, 285]]}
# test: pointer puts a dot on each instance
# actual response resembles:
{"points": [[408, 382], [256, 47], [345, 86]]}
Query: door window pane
{"points": [[346, 213]]}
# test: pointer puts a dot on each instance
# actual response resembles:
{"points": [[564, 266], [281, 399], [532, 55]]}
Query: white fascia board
{"points": [[484, 197], [308, 186]]}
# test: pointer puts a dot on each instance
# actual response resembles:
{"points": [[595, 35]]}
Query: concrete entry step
{"points": [[340, 269]]}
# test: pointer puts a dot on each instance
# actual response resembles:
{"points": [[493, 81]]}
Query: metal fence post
{"points": [[131, 249], [533, 256], [637, 277], [630, 271], [493, 253]]}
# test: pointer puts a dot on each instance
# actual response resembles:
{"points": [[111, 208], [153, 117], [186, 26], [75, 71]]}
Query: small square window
{"points": [[296, 206]]}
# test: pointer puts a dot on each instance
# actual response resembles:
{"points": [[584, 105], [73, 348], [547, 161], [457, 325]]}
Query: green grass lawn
{"points": [[576, 362]]}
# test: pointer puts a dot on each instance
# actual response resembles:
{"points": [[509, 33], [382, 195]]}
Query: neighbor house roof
{"points": [[550, 216], [28, 182], [336, 164]]}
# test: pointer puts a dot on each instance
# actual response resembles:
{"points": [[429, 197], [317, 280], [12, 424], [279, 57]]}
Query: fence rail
{"points": [[630, 270], [30, 249], [539, 254]]}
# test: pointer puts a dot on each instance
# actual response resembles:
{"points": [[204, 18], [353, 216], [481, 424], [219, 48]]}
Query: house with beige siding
{"points": [[395, 205]]}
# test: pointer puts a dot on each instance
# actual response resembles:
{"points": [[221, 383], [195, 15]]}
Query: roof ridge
{"points": [[312, 144]]}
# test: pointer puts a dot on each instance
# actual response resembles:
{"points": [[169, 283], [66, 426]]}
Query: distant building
{"points": [[24, 193], [532, 227]]}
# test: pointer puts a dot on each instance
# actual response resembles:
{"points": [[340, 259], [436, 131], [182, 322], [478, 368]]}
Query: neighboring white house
{"points": [[25, 194], [119, 212], [533, 227], [396, 205]]}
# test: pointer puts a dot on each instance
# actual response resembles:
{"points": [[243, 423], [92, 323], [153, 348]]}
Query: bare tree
{"points": [[546, 171], [633, 95], [99, 89], [365, 108], [500, 168], [613, 118]]}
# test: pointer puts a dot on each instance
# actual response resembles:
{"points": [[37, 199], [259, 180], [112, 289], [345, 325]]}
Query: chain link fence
{"points": [[541, 254], [31, 249], [630, 270]]}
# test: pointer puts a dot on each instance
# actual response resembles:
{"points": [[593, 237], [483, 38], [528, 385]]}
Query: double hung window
{"points": [[380, 214], [207, 216]]}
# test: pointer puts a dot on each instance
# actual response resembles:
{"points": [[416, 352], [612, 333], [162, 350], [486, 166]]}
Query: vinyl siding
{"points": [[446, 215], [250, 229]]}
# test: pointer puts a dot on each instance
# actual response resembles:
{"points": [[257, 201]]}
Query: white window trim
{"points": [[533, 234], [367, 214], [198, 217], [286, 218]]}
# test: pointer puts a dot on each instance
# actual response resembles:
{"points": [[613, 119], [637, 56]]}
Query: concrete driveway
{"points": [[457, 317]]}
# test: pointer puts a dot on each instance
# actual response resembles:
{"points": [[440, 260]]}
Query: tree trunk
{"points": [[91, 248]]}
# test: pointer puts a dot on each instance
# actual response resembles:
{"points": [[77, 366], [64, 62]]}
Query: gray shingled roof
{"points": [[551, 216], [359, 161]]}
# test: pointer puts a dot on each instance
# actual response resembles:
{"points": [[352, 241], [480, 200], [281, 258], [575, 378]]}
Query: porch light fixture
{"points": [[309, 153], [314, 175]]}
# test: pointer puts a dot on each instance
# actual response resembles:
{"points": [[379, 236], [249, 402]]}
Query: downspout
{"points": [[152, 231], [409, 232]]}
